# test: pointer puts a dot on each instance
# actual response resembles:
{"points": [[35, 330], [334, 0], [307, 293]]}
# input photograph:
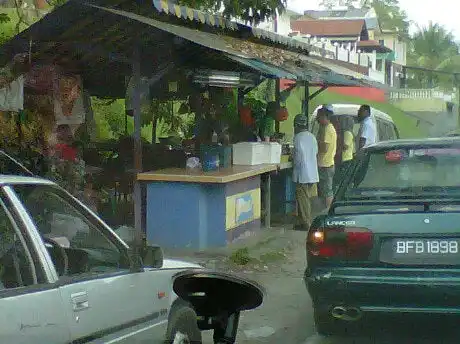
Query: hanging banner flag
{"points": [[12, 96], [68, 100]]}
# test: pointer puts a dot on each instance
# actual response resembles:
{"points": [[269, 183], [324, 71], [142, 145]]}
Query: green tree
{"points": [[329, 4], [433, 47], [251, 11], [390, 15], [6, 28]]}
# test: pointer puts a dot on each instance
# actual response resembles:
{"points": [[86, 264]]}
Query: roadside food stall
{"points": [[219, 199], [226, 201], [207, 207]]}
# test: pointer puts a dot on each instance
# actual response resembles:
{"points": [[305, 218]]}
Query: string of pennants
{"points": [[187, 13]]}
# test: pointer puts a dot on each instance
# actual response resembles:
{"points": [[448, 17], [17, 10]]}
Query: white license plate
{"points": [[426, 247]]}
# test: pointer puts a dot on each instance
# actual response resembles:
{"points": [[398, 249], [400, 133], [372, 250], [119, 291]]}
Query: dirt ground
{"points": [[274, 258]]}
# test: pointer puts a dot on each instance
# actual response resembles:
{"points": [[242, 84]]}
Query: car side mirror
{"points": [[218, 298], [146, 256], [152, 256]]}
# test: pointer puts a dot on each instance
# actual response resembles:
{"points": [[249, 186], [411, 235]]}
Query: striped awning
{"points": [[185, 12], [188, 13]]}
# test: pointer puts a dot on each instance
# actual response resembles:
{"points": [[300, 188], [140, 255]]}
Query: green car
{"points": [[390, 242]]}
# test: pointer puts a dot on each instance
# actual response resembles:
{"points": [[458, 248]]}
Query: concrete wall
{"points": [[284, 25]]}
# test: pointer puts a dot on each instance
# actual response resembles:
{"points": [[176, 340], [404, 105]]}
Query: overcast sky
{"points": [[445, 12]]}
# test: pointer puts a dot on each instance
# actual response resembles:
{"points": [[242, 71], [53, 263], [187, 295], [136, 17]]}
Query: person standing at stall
{"points": [[348, 148], [327, 144], [305, 171], [66, 165], [367, 131]]}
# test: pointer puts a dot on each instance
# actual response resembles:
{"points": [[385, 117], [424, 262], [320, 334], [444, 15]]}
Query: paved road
{"points": [[436, 124], [286, 314], [419, 330]]}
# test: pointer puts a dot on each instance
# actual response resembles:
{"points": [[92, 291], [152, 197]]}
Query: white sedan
{"points": [[66, 277]]}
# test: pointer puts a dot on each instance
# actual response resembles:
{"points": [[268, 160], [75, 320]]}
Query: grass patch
{"points": [[407, 125], [241, 256], [271, 257]]}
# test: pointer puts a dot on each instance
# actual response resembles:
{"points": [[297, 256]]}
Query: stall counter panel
{"points": [[223, 175]]}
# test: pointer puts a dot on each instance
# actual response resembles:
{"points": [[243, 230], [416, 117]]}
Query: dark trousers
{"points": [[304, 194]]}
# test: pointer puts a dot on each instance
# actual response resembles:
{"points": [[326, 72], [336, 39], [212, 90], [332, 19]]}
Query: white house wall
{"points": [[284, 25]]}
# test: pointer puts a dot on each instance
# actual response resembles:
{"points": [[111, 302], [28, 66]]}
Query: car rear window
{"points": [[406, 172]]}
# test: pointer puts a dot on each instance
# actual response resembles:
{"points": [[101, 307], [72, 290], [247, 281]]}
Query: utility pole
{"points": [[457, 87]]}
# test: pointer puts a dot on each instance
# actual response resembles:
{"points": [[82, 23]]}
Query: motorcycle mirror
{"points": [[218, 298]]}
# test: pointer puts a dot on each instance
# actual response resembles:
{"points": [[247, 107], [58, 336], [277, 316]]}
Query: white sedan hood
{"points": [[179, 264]]}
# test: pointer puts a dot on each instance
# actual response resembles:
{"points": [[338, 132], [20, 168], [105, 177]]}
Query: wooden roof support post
{"points": [[306, 100], [277, 100], [137, 138]]}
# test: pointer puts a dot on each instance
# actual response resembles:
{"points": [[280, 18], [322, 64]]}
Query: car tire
{"points": [[183, 327], [326, 325]]}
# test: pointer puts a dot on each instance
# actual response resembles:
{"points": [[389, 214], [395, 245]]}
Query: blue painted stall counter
{"points": [[198, 210], [283, 201]]}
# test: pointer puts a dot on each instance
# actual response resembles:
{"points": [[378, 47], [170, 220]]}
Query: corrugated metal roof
{"points": [[299, 65], [372, 23], [350, 13], [98, 41], [373, 45], [333, 27], [264, 68]]}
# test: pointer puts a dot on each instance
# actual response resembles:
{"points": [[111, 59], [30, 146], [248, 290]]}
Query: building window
{"points": [[379, 65], [382, 42]]}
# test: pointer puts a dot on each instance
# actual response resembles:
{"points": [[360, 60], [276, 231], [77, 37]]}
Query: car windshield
{"points": [[406, 173]]}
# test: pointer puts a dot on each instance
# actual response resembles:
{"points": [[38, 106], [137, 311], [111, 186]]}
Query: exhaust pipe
{"points": [[338, 312], [346, 313]]}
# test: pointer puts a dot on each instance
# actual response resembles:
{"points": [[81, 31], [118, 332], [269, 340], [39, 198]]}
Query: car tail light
{"points": [[340, 242], [394, 156]]}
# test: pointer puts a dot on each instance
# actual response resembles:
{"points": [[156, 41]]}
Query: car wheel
{"points": [[326, 325], [183, 327]]}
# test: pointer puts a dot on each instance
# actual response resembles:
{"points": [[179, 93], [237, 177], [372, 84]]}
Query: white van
{"points": [[386, 129]]}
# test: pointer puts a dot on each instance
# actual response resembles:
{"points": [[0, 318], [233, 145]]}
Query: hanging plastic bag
{"points": [[193, 163]]}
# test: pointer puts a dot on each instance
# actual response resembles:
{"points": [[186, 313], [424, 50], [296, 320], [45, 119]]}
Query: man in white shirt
{"points": [[305, 171], [367, 131]]}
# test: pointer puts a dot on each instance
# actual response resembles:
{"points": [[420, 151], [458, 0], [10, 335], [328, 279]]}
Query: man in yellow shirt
{"points": [[327, 144], [348, 141], [346, 148]]}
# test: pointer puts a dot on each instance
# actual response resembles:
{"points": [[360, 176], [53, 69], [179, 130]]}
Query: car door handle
{"points": [[80, 301]]}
